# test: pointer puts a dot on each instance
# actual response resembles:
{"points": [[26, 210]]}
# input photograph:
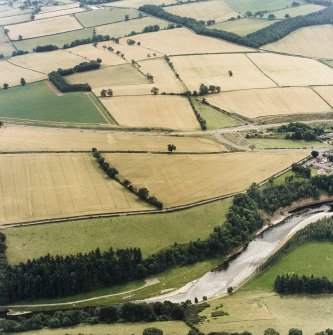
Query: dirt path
{"points": [[53, 88]]}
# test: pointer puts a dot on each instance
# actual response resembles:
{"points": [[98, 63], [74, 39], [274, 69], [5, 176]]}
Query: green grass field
{"points": [[214, 118], [243, 26], [256, 5], [169, 328], [296, 11], [149, 232], [104, 16], [311, 258], [38, 102], [329, 63], [58, 39], [280, 143]]}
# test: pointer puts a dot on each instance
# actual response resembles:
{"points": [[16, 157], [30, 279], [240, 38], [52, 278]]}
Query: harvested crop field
{"points": [[213, 70], [183, 179], [164, 77], [152, 111], [104, 16], [296, 11], [207, 10], [315, 41], [121, 29], [23, 138], [274, 101], [12, 74], [326, 92], [35, 187], [46, 62], [89, 52], [6, 47], [183, 41], [14, 19], [43, 27], [49, 14], [110, 76], [54, 8], [293, 71]]}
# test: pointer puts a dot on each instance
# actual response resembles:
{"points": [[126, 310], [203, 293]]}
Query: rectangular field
{"points": [[242, 26], [59, 12], [46, 62], [293, 71], [207, 10], [139, 3], [104, 16], [213, 70], [274, 101], [152, 111], [14, 19], [111, 76], [37, 102], [89, 52], [183, 41], [35, 187], [315, 41], [43, 27], [54, 8], [183, 179], [12, 74], [296, 11], [17, 138]]}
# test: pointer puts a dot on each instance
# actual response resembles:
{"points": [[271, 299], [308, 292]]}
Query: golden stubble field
{"points": [[326, 92], [159, 111], [293, 71], [213, 70], [272, 101], [183, 179], [23, 138], [43, 186], [183, 41], [207, 10], [44, 27], [12, 74], [59, 12], [315, 41]]}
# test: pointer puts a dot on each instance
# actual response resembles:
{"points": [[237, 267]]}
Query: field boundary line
{"points": [[266, 75], [98, 108], [321, 96], [25, 68]]}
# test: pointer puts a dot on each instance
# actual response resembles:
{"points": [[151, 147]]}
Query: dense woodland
{"points": [[58, 276], [270, 34], [58, 80], [300, 131]]}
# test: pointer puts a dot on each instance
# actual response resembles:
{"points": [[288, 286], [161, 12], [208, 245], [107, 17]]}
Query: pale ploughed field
{"points": [[315, 41], [152, 111], [183, 179], [272, 101], [43, 186]]}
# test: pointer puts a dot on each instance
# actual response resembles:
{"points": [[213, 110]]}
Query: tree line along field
{"points": [[184, 179], [152, 111], [296, 11], [36, 187], [315, 41], [37, 102], [206, 10], [149, 232], [273, 101], [19, 138]]}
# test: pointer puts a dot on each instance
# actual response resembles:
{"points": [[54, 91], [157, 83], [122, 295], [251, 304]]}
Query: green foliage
{"points": [[300, 131], [152, 331], [56, 78]]}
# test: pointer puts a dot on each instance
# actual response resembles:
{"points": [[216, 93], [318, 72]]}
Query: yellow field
{"points": [[326, 92], [46, 62], [213, 70], [273, 101], [58, 185], [183, 41], [172, 112], [43, 27], [183, 179], [45, 9], [12, 74], [108, 77], [164, 77], [315, 41], [89, 52], [130, 52], [49, 14], [293, 71], [20, 138], [207, 10]]}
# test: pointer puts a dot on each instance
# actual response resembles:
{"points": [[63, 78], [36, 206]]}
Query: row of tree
{"points": [[45, 48], [257, 39], [94, 39], [82, 67], [58, 80]]}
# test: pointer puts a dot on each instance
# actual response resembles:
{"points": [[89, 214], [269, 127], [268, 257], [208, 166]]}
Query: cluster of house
{"points": [[322, 163]]}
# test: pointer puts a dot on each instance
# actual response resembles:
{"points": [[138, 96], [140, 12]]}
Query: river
{"points": [[215, 283]]}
